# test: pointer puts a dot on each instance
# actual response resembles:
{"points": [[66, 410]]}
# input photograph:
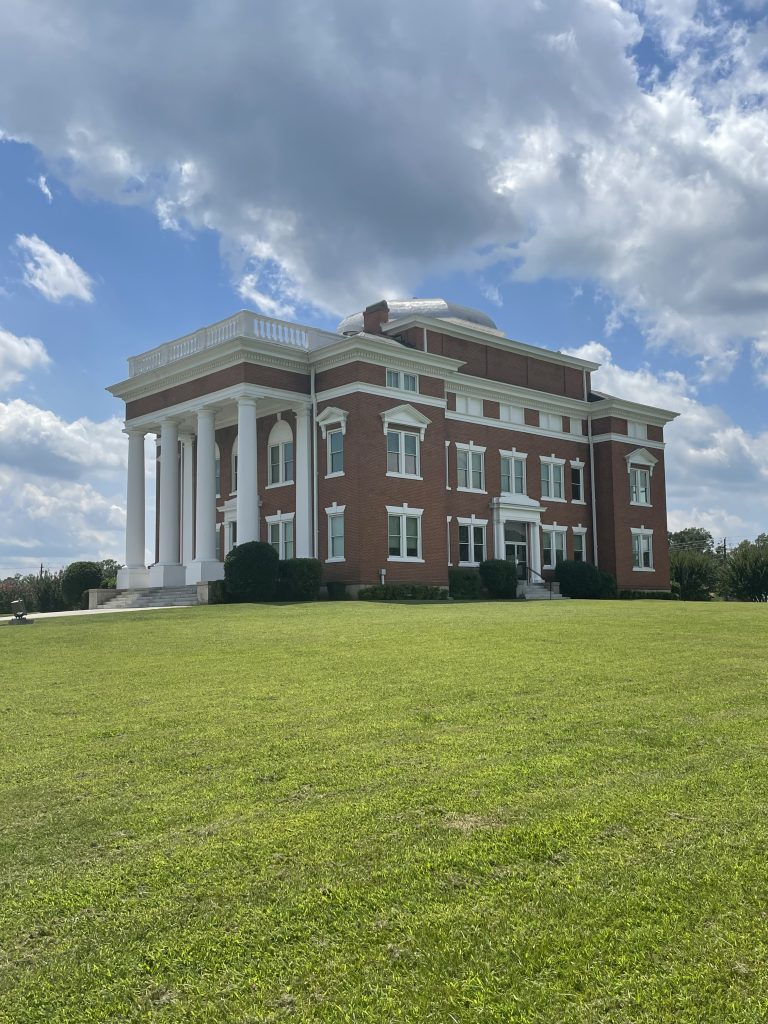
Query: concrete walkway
{"points": [[34, 616]]}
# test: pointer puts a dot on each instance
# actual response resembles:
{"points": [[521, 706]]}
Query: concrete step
{"points": [[154, 597], [541, 592]]}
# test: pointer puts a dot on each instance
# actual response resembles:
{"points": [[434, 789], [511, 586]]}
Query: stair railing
{"points": [[529, 568]]}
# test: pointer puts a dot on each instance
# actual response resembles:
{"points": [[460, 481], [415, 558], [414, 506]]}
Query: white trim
{"points": [[553, 528], [642, 532], [402, 476], [403, 511], [405, 416], [517, 428], [401, 453], [599, 438], [362, 387], [335, 511], [551, 461], [330, 416], [471, 521], [472, 449], [640, 457], [280, 517]]}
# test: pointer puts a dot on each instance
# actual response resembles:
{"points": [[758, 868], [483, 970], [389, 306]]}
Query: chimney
{"points": [[374, 316]]}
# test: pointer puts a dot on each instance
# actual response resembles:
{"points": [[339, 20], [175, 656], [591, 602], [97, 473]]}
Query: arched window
{"points": [[280, 450], [233, 488], [218, 470]]}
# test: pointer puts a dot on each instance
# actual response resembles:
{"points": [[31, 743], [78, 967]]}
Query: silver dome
{"points": [[438, 309]]}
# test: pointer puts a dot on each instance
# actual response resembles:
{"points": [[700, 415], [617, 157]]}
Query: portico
{"points": [[517, 532]]}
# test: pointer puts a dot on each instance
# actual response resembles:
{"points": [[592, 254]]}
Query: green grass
{"points": [[351, 813]]}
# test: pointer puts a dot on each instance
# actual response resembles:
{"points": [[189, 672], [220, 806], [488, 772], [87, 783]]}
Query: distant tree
{"points": [[695, 573], [109, 571], [692, 538], [745, 572], [761, 538], [76, 579]]}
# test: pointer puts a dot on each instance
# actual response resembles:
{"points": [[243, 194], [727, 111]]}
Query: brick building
{"points": [[414, 438]]}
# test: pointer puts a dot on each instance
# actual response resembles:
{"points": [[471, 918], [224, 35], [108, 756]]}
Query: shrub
{"points": [[76, 579], [464, 584], [745, 573], [695, 574], [403, 592], [109, 571], [584, 580], [337, 591], [299, 579], [251, 572], [499, 577], [48, 595], [649, 595]]}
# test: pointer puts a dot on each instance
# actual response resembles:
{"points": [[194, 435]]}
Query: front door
{"points": [[516, 547]]}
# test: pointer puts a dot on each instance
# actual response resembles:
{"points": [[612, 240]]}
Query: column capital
{"points": [[135, 431], [246, 401], [302, 410]]}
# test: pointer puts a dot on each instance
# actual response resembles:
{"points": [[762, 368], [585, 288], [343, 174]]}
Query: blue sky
{"points": [[592, 174]]}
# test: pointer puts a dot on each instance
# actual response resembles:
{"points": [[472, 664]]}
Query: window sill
{"points": [[642, 568], [404, 476], [578, 501], [337, 558], [332, 476], [471, 490], [283, 483], [469, 565], [404, 558], [547, 497], [513, 494], [641, 504]]}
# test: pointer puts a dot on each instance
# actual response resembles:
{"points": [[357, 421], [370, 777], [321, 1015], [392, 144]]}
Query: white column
{"points": [[168, 572], [303, 484], [247, 481], [187, 499], [206, 566], [135, 573], [535, 556]]}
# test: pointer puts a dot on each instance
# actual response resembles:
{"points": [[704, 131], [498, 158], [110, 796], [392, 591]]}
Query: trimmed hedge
{"points": [[76, 579], [299, 579], [403, 592], [499, 577], [251, 572], [650, 595], [337, 591], [464, 584], [584, 580]]}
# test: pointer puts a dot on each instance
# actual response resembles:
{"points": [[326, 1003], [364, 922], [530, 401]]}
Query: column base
{"points": [[167, 575], [204, 571], [132, 578]]}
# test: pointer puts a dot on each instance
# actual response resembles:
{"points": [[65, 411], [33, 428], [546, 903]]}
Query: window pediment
{"points": [[641, 457], [332, 417], [405, 416]]}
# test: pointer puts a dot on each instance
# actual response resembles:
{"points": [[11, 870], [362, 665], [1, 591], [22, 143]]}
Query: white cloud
{"points": [[717, 472], [54, 274], [18, 356], [42, 184]]}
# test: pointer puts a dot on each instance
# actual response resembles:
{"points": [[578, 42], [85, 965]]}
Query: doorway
{"points": [[516, 547]]}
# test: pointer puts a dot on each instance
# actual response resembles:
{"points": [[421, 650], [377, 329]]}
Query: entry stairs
{"points": [[154, 597], [541, 592]]}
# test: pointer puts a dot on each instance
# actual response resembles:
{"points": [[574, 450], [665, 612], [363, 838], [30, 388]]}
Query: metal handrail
{"points": [[529, 568]]}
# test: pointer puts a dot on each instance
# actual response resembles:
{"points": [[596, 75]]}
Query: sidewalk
{"points": [[34, 616]]}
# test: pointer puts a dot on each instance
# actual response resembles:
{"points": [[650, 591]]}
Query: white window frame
{"points": [[636, 430], [550, 461], [336, 512], [469, 405], [513, 456], [278, 439], [580, 531], [405, 512], [547, 419], [280, 519], [330, 421], [330, 434], [400, 379], [634, 485], [509, 413], [471, 449], [577, 464], [555, 531], [217, 469], [233, 465], [471, 524], [400, 471], [576, 426], [638, 536]]}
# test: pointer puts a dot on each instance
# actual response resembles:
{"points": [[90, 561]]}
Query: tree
{"points": [[76, 579], [109, 571], [695, 574], [745, 573], [692, 538], [251, 571]]}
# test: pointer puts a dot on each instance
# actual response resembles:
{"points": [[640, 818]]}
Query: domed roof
{"points": [[438, 309]]}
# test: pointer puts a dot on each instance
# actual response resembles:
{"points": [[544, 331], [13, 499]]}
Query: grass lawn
{"points": [[359, 813]]}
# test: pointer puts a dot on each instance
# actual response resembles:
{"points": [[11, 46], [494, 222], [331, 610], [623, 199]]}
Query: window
{"points": [[638, 430], [642, 550], [218, 471], [512, 473], [233, 488], [404, 533], [579, 544], [402, 453], [335, 533], [552, 478], [553, 545], [469, 406], [576, 426], [548, 421], [511, 413], [280, 529], [402, 380], [471, 541], [335, 449], [471, 467], [577, 481], [280, 448], [639, 486]]}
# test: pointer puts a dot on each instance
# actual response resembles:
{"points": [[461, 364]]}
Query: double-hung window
{"points": [[335, 533], [472, 541], [404, 533], [552, 545], [639, 486], [335, 450], [402, 453], [642, 550], [577, 481], [579, 544], [281, 463], [280, 529], [552, 478], [470, 460], [512, 473]]}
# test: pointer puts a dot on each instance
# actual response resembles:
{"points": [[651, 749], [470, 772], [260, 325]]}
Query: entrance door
{"points": [[516, 547]]}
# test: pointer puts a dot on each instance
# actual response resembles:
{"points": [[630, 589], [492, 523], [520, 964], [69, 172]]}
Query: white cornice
{"points": [[516, 428], [608, 404], [370, 348], [362, 387], [515, 394], [218, 400], [484, 337], [623, 439]]}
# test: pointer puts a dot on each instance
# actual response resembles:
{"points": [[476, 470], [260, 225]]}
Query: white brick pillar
{"points": [[135, 573], [535, 556], [247, 480], [303, 483], [168, 572], [206, 566]]}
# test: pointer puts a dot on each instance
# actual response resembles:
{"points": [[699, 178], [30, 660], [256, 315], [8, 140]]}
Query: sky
{"points": [[592, 174]]}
